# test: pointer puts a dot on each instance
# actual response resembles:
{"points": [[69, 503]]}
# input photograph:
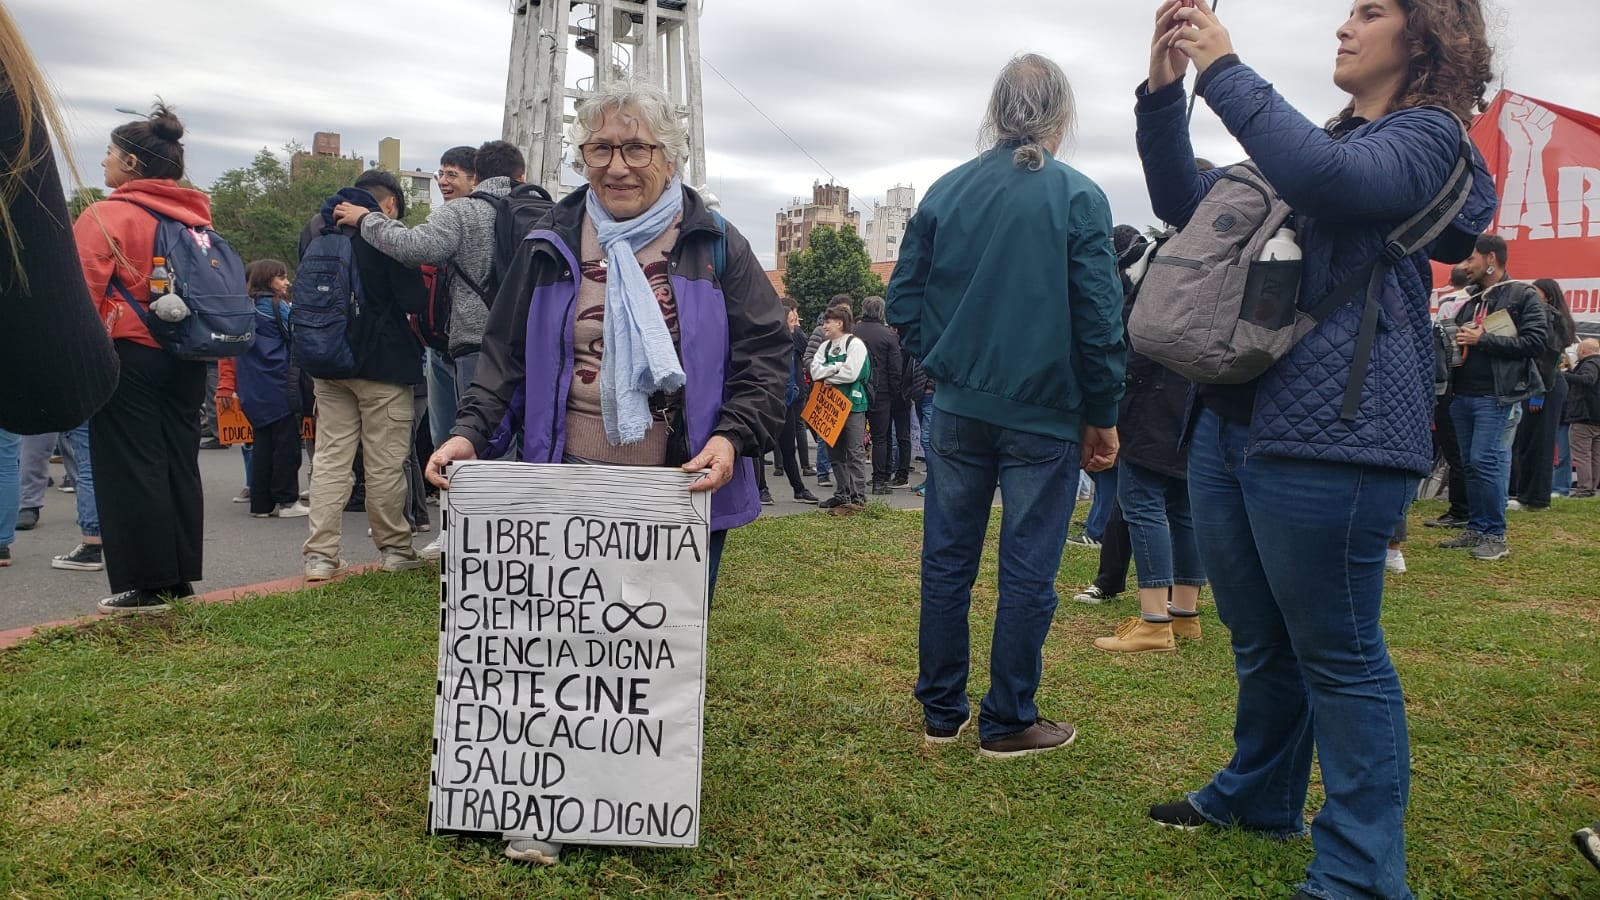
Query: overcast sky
{"points": [[878, 91]]}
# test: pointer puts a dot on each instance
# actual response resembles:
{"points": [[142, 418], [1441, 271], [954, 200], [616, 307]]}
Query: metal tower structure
{"points": [[562, 49]]}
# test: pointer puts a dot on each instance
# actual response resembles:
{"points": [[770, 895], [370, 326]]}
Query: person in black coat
{"points": [[372, 408], [1531, 472], [883, 412], [1153, 497]]}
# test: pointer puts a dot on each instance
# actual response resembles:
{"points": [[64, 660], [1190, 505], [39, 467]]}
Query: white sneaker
{"points": [[529, 850], [294, 510], [321, 568], [1513, 505], [1395, 561], [434, 550], [243, 496], [401, 559]]}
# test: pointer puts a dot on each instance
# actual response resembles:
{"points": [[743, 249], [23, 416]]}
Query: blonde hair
{"points": [[21, 77]]}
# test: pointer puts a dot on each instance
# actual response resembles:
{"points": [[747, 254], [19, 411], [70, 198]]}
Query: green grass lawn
{"points": [[279, 747]]}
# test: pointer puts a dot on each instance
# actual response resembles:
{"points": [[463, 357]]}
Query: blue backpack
{"points": [[327, 307], [209, 276]]}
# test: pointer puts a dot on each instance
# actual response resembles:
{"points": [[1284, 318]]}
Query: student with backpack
{"points": [[268, 384], [458, 176], [463, 240], [146, 440], [1295, 495], [843, 360], [351, 335]]}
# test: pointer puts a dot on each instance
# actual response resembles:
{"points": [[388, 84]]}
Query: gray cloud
{"points": [[879, 91]]}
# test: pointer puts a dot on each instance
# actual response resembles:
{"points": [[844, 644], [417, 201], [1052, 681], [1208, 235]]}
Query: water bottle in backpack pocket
{"points": [[326, 312], [200, 306], [1218, 304]]}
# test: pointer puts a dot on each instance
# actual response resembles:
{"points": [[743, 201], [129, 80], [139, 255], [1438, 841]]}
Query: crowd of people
{"points": [[631, 324]]}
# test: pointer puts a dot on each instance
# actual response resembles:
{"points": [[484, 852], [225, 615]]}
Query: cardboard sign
{"points": [[825, 411], [234, 428], [1545, 160], [572, 644]]}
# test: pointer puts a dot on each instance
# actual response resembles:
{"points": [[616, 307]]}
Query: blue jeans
{"points": [[1561, 480], [10, 488], [1037, 476], [441, 397], [924, 422], [1105, 490], [714, 563], [1486, 428], [824, 464], [1299, 584], [88, 513], [1156, 508]]}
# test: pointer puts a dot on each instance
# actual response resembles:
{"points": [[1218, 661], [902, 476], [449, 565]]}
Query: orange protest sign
{"points": [[234, 428], [826, 411]]}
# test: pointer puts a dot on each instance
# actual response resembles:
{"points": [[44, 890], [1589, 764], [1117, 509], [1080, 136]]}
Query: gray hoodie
{"points": [[460, 233]]}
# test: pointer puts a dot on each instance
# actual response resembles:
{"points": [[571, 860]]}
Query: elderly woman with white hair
{"points": [[632, 273]]}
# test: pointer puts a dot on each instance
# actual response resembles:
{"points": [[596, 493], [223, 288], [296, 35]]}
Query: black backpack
{"points": [[515, 214], [327, 307]]}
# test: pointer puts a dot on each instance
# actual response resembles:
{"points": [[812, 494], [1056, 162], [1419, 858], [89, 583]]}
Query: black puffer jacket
{"points": [[1154, 405]]}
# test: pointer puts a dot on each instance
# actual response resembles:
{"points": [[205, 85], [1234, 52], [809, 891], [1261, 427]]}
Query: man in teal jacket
{"points": [[1007, 291]]}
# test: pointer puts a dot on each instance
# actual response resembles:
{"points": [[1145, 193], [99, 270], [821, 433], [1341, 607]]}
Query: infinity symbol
{"points": [[623, 614]]}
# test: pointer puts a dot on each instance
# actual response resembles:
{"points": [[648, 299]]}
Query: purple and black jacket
{"points": [[733, 343]]}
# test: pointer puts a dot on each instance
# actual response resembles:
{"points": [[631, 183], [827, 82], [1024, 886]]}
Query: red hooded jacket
{"points": [[118, 237]]}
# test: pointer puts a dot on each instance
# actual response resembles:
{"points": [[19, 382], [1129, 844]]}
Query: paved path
{"points": [[239, 550]]}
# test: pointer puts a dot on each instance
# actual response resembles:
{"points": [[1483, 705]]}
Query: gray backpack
{"points": [[1214, 312]]}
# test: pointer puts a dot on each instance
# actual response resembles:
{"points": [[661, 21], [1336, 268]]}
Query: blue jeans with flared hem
{"points": [[1037, 477], [10, 487], [1295, 551], [1486, 429], [1160, 528]]}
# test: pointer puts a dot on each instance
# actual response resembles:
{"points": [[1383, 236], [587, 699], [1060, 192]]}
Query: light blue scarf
{"points": [[639, 357]]}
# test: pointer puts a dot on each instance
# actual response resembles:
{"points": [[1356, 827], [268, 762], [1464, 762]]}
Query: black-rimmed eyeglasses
{"points": [[635, 154]]}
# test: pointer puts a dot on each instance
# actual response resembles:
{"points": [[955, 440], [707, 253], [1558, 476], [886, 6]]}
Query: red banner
{"points": [[1546, 165]]}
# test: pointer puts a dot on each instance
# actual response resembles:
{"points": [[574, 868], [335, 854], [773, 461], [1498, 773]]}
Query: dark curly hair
{"points": [[1451, 60]]}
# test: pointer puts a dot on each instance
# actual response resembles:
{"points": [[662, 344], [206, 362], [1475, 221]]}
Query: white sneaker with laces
{"points": [[294, 510], [1093, 596], [433, 550], [1395, 561]]}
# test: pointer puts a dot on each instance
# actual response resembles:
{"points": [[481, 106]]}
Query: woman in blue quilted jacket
{"points": [[1293, 502]]}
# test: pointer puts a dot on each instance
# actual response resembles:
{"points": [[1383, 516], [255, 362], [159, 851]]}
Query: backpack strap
{"points": [[1409, 237], [719, 250]]}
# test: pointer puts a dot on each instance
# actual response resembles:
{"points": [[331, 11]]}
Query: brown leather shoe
{"points": [[1040, 737]]}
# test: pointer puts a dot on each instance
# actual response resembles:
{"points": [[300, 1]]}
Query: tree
{"points": [[835, 262], [81, 198], [261, 209]]}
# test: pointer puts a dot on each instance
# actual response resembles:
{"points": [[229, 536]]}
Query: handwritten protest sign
{"points": [[826, 411], [571, 654], [234, 428]]}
